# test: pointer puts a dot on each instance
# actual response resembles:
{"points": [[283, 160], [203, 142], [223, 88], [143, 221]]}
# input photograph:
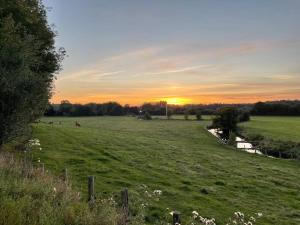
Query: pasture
{"points": [[178, 157], [282, 128]]}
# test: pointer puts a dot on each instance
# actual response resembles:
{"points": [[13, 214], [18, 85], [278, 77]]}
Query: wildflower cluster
{"points": [[240, 219], [157, 192], [34, 142], [202, 220]]}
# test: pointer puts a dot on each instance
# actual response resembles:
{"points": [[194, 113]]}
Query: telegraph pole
{"points": [[166, 109]]}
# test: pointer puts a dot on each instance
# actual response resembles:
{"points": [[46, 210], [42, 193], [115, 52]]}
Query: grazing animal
{"points": [[77, 124], [51, 122]]}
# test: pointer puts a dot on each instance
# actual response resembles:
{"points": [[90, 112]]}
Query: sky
{"points": [[181, 51]]}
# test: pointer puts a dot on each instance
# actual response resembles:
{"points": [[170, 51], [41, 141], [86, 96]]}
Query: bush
{"points": [[232, 139], [186, 115], [244, 117], [198, 115], [147, 116]]}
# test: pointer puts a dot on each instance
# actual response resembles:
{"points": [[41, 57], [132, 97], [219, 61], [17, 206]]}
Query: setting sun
{"points": [[177, 101]]}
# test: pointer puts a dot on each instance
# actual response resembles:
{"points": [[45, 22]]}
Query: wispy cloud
{"points": [[180, 70], [282, 77]]}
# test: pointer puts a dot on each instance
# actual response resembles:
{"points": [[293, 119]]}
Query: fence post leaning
{"points": [[125, 203], [176, 218], [91, 195]]}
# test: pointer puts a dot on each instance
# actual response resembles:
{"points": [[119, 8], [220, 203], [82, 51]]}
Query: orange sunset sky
{"points": [[179, 51]]}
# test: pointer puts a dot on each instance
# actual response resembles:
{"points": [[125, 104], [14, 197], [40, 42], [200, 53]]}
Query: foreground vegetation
{"points": [[179, 158], [29, 196]]}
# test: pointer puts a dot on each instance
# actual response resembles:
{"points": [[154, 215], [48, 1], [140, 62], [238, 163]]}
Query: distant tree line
{"points": [[92, 109], [66, 108], [278, 108]]}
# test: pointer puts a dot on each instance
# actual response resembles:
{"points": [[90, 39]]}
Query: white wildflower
{"points": [[157, 192], [259, 214], [195, 214]]}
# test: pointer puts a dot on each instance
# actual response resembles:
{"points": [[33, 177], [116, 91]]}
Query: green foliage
{"points": [[231, 139], [186, 115], [147, 116], [175, 156], [28, 61], [198, 115], [244, 116], [226, 120]]}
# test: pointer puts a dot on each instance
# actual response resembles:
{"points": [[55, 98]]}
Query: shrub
{"points": [[232, 139], [244, 117], [186, 115], [198, 115], [147, 116]]}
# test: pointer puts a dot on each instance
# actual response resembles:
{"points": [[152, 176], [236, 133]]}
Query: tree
{"points": [[226, 120], [186, 115], [147, 116], [28, 63], [65, 107], [198, 115], [244, 117]]}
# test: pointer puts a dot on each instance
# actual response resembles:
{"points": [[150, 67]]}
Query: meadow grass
{"points": [[178, 157], [282, 128], [29, 196]]}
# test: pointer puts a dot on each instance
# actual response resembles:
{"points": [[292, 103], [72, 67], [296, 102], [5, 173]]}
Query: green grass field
{"points": [[274, 127], [180, 158]]}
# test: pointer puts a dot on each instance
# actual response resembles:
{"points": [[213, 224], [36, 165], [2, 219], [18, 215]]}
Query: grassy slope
{"points": [[29, 197], [178, 157], [274, 127]]}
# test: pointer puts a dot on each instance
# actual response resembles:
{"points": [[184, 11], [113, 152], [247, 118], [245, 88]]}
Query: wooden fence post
{"points": [[65, 175], [91, 195], [125, 203], [176, 218]]}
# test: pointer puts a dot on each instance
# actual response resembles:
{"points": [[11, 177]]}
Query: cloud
{"points": [[282, 77], [180, 70]]}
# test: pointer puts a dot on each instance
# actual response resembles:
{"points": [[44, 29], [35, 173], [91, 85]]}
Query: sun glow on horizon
{"points": [[177, 100]]}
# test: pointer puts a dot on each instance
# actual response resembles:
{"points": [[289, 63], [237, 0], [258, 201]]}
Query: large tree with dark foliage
{"points": [[226, 120], [28, 62]]}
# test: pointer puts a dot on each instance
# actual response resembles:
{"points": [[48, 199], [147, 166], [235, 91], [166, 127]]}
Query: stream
{"points": [[241, 143]]}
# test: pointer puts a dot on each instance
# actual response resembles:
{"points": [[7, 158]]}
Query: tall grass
{"points": [[28, 196]]}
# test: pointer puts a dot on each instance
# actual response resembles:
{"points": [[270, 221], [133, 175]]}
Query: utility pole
{"points": [[167, 109]]}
